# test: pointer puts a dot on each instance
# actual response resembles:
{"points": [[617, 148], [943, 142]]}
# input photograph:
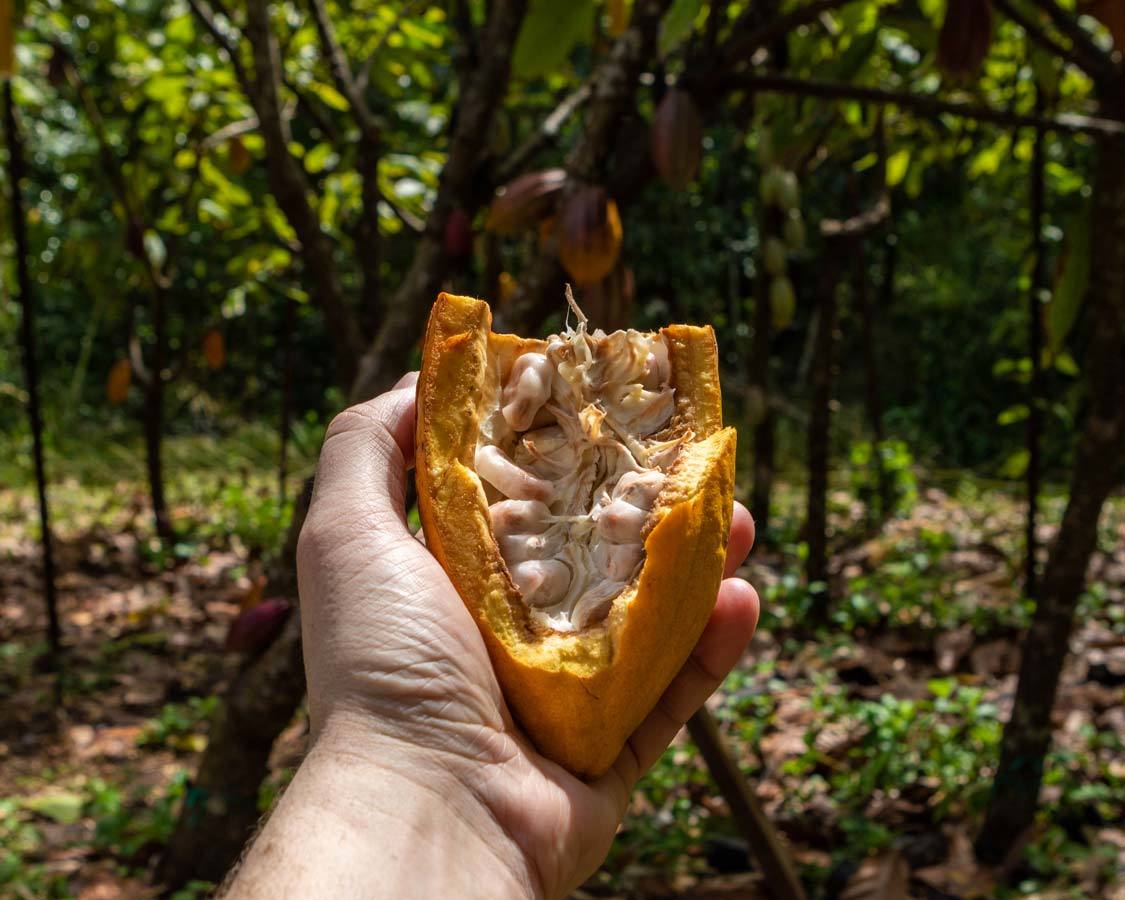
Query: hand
{"points": [[416, 762]]}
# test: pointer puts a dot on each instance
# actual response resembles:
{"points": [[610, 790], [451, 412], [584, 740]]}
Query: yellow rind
{"points": [[577, 695]]}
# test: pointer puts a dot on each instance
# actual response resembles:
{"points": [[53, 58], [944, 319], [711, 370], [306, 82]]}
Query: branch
{"points": [[1033, 31], [1098, 64], [858, 225], [342, 73], [544, 135], [207, 18], [926, 104], [740, 49], [231, 130]]}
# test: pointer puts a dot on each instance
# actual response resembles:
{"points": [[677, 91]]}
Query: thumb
{"points": [[361, 474]]}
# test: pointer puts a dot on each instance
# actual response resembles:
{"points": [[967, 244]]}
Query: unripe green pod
{"points": [[770, 185], [788, 192], [794, 230], [773, 256], [783, 302]]}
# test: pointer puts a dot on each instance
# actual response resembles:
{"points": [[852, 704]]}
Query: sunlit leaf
{"points": [[552, 29], [677, 24], [898, 163]]}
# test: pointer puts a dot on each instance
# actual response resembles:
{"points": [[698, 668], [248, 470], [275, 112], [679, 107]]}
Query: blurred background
{"points": [[905, 219]]}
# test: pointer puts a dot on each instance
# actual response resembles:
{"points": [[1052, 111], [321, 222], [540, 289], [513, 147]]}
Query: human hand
{"points": [[411, 735]]}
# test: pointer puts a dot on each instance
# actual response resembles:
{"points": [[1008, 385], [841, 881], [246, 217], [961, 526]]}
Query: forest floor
{"points": [[869, 743]]}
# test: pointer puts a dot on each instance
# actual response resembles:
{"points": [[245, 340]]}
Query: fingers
{"points": [[741, 539], [721, 645], [367, 450]]}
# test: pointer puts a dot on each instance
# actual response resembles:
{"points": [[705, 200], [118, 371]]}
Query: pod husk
{"points": [[577, 695]]}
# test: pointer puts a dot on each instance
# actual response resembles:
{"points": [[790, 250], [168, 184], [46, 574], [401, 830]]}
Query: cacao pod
{"points": [[589, 235], [546, 231], [135, 240], [214, 349], [765, 148], [57, 66], [788, 192], [118, 382], [773, 256], [238, 157], [525, 200], [783, 302], [458, 237], [256, 628], [582, 652], [618, 12], [677, 139], [610, 301], [966, 34], [794, 230], [770, 185]]}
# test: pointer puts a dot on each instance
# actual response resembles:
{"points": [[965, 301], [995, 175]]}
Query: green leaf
{"points": [[552, 29], [1070, 285], [64, 807], [320, 157], [898, 164], [1015, 466], [677, 24], [1012, 414], [329, 95]]}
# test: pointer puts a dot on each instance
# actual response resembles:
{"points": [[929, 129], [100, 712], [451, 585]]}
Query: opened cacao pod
{"points": [[589, 235], [525, 201], [677, 139], [578, 491]]}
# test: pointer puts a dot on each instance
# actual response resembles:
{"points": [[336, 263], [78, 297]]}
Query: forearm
{"points": [[347, 827]]}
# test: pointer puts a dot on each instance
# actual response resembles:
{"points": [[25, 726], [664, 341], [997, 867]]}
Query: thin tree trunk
{"points": [[1097, 470], [154, 417], [1036, 399], [285, 425], [16, 172], [781, 878], [820, 421]]}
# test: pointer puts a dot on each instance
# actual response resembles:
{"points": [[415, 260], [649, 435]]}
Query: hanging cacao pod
{"points": [[773, 256], [135, 240], [794, 230], [788, 192], [765, 148], [966, 34], [118, 382], [458, 237], [783, 302], [677, 139], [618, 11], [255, 628], [214, 349], [769, 186], [589, 235], [525, 200], [238, 156]]}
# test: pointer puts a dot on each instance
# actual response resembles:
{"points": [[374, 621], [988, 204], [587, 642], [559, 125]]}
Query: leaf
{"points": [[677, 24], [329, 96], [1070, 283], [1015, 466], [882, 877], [64, 807], [1013, 414], [898, 164], [552, 29]]}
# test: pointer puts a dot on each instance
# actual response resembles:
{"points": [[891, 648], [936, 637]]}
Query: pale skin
{"points": [[417, 782]]}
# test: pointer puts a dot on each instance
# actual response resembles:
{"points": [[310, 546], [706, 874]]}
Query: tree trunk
{"points": [[1036, 400], [820, 420], [16, 173], [1097, 470], [154, 417]]}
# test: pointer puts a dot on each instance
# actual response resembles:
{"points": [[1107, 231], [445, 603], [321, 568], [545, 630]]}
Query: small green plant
{"points": [[127, 829], [178, 725], [898, 470]]}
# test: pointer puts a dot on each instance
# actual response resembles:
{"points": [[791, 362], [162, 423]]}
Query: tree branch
{"points": [[544, 135], [291, 189], [342, 73], [1098, 64], [926, 104], [207, 19]]}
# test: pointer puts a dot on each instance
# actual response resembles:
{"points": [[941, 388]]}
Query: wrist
{"points": [[381, 821]]}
